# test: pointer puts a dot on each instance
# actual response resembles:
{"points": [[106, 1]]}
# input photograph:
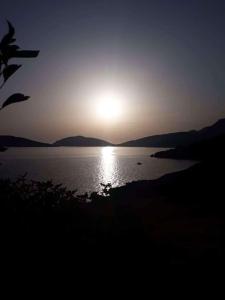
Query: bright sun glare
{"points": [[109, 106]]}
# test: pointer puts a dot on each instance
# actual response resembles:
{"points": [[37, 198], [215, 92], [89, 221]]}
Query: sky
{"points": [[160, 64]]}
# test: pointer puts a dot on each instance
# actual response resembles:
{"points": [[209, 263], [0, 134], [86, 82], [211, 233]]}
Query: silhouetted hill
{"points": [[179, 138], [163, 140], [81, 141], [216, 129], [169, 140], [209, 149], [13, 141]]}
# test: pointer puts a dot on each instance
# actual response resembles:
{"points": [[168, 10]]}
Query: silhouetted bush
{"points": [[41, 208]]}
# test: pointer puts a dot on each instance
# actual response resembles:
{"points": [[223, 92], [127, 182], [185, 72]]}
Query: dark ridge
{"points": [[13, 141], [169, 140], [179, 138], [81, 141]]}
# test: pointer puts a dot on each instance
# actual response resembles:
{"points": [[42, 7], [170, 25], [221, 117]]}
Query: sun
{"points": [[109, 106]]}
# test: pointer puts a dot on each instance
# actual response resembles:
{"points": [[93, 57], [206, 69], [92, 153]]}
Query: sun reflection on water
{"points": [[108, 165]]}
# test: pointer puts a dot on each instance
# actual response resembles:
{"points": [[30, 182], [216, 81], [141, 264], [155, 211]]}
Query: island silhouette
{"points": [[168, 140]]}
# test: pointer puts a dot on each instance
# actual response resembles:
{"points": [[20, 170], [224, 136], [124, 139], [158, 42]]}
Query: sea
{"points": [[86, 168]]}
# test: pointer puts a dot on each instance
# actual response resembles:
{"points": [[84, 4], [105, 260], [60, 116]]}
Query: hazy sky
{"points": [[163, 61]]}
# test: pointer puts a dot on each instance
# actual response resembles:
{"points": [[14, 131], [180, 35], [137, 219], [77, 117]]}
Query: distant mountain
{"points": [[169, 140], [162, 140], [13, 141], [179, 138], [216, 129], [81, 141], [209, 149]]}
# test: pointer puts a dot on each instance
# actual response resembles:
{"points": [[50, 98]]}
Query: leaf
{"points": [[9, 71], [10, 49], [8, 52], [8, 38], [26, 53], [14, 99]]}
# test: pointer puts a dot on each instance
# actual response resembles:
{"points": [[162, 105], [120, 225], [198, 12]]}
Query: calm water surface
{"points": [[85, 168]]}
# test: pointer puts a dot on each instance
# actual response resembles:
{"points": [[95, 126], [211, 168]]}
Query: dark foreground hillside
{"points": [[178, 218], [209, 149]]}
